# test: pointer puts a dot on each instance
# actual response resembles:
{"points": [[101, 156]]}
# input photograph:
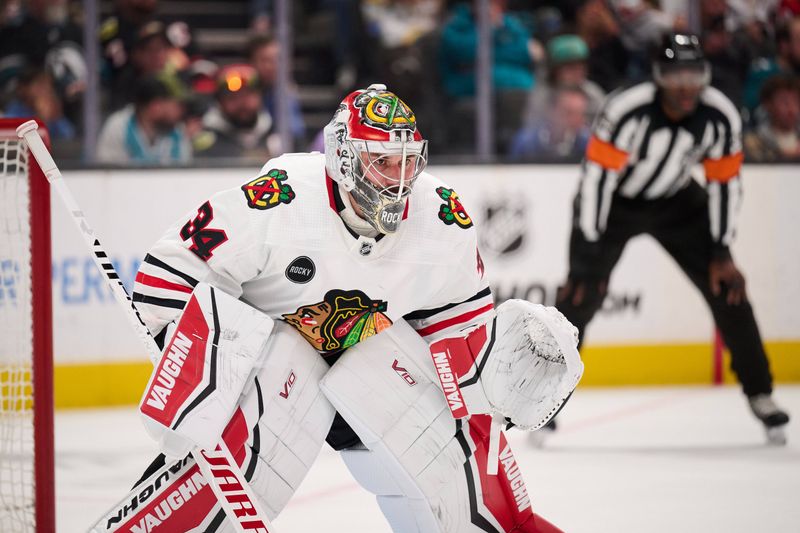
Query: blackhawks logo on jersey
{"points": [[385, 111], [269, 190], [340, 320], [452, 212]]}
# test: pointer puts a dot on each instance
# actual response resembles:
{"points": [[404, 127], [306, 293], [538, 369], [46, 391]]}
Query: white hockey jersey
{"points": [[278, 243]]}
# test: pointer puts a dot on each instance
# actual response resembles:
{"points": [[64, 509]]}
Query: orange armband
{"points": [[723, 169], [606, 154]]}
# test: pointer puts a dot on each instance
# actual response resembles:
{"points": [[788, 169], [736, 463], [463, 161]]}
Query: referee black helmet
{"points": [[679, 60]]}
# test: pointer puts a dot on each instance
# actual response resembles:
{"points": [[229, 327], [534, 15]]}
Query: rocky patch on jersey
{"points": [[340, 320], [301, 270], [268, 190], [452, 212], [384, 111]]}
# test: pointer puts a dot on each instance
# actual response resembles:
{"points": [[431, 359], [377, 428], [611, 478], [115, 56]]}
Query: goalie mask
{"points": [[374, 150]]}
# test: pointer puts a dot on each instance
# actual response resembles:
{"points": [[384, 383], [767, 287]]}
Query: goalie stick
{"points": [[236, 499]]}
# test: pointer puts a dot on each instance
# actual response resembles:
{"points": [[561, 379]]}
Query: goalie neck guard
{"points": [[374, 150]]}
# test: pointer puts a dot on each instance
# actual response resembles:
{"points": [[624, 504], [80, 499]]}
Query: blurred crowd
{"points": [[178, 88]]}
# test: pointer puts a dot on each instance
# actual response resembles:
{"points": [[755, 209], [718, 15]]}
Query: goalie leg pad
{"points": [[420, 463], [207, 363], [275, 435], [289, 414]]}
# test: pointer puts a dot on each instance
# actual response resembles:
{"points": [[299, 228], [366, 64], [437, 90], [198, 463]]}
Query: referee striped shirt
{"points": [[636, 152]]}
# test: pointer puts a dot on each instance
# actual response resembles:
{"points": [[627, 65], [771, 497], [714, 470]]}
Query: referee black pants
{"points": [[681, 225]]}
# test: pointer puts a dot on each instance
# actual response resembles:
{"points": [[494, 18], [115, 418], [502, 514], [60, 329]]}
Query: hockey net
{"points": [[26, 392]]}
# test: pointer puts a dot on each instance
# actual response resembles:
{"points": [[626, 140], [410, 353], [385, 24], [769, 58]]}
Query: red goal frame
{"points": [[41, 288]]}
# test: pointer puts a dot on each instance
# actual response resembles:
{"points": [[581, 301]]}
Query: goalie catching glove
{"points": [[522, 366]]}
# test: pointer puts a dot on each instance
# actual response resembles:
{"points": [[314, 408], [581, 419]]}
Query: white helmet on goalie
{"points": [[375, 151]]}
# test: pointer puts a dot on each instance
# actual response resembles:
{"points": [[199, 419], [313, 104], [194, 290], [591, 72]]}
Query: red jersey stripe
{"points": [[152, 281], [460, 319]]}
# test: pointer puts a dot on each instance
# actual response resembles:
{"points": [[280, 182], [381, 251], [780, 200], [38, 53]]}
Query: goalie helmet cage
{"points": [[27, 476]]}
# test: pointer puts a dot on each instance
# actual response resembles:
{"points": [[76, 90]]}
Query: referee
{"points": [[636, 178]]}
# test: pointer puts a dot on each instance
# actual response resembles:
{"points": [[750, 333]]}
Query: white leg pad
{"points": [[289, 414], [275, 434], [386, 389]]}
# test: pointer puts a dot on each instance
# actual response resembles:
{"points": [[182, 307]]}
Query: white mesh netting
{"points": [[16, 340]]}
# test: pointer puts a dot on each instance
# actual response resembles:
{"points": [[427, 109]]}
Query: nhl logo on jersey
{"points": [[340, 320], [385, 111], [301, 270], [452, 212], [268, 190]]}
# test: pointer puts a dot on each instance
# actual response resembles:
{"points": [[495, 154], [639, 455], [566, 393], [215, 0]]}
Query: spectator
{"points": [[237, 123], [41, 34], [202, 76], [120, 33], [787, 61], [755, 20], [36, 96], [40, 25], [778, 137], [788, 8], [263, 53], [641, 28], [609, 60], [564, 132], [260, 15], [151, 54], [512, 68], [399, 29], [567, 57], [148, 132], [547, 21], [346, 54], [512, 74], [727, 51]]}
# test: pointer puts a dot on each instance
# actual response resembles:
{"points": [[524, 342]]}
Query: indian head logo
{"points": [[340, 320], [385, 111], [452, 212], [268, 190]]}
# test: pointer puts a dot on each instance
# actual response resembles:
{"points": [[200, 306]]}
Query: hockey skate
{"points": [[773, 418]]}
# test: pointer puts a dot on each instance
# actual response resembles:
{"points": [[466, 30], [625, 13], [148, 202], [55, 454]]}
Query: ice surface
{"points": [[643, 460]]}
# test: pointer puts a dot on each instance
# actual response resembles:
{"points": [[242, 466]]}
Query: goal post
{"points": [[27, 469]]}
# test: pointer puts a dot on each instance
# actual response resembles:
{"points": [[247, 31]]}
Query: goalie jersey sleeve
{"points": [[462, 304], [191, 251]]}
